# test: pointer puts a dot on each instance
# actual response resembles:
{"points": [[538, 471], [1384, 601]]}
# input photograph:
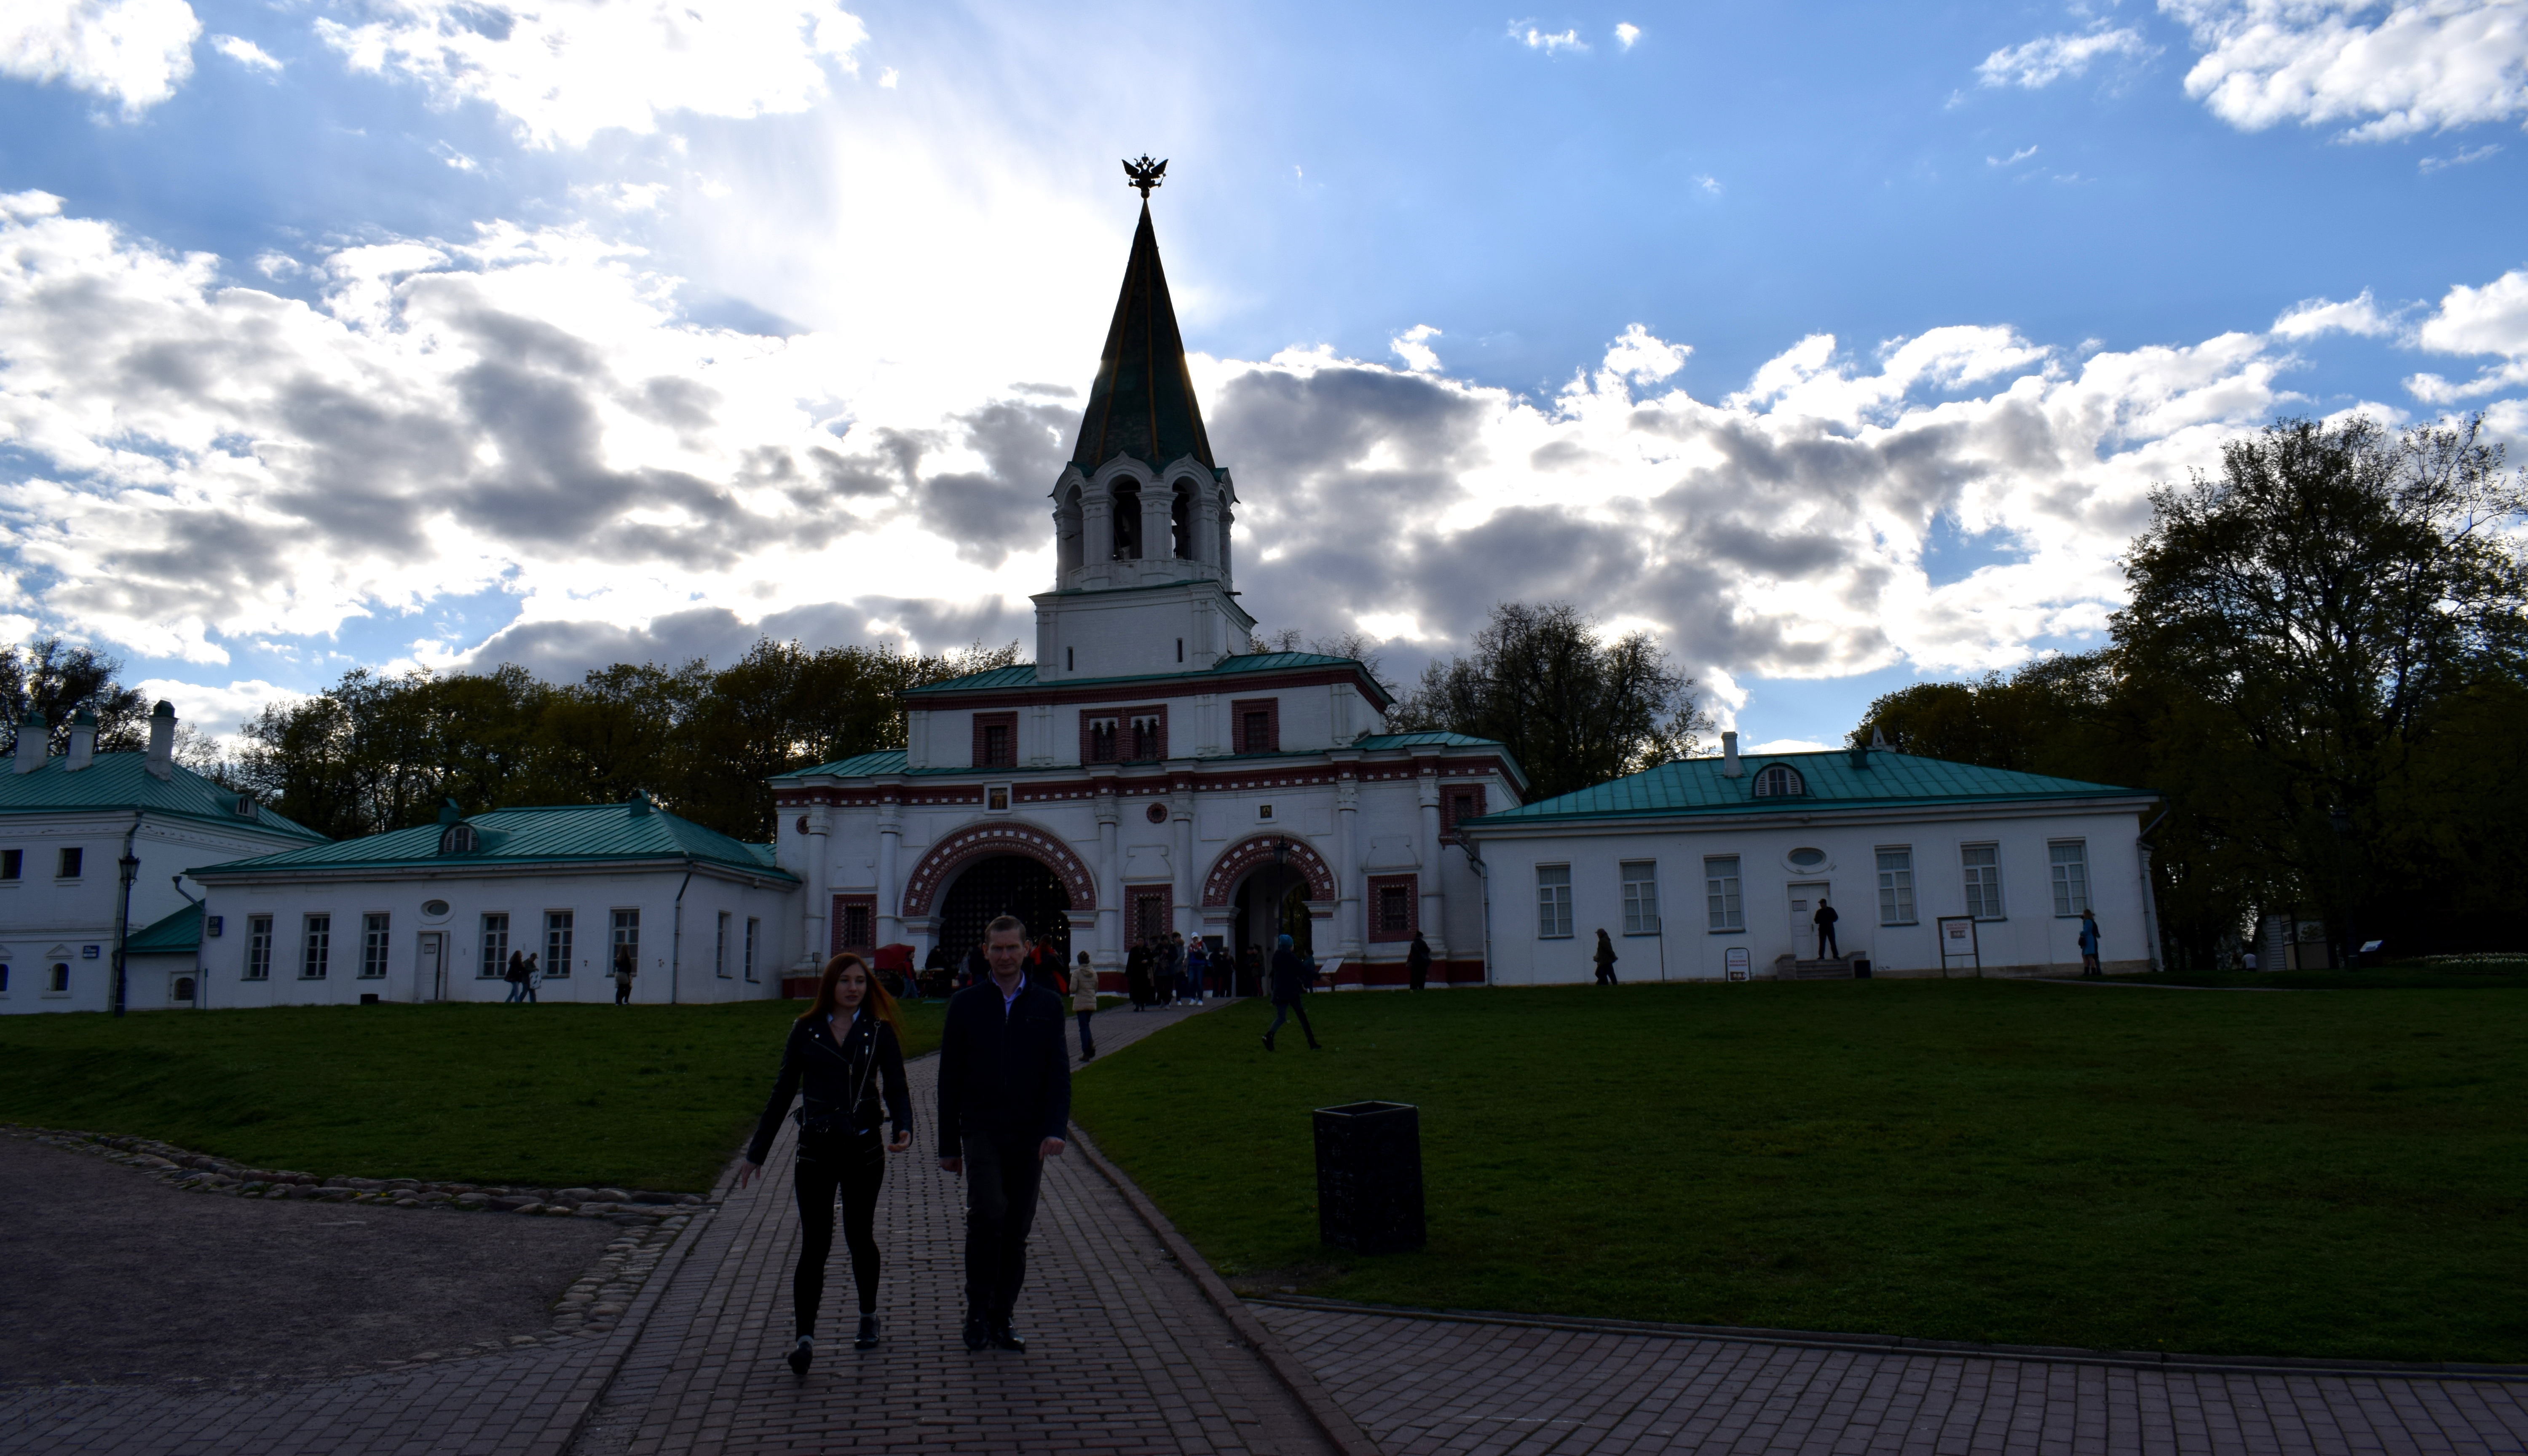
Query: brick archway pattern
{"points": [[942, 861], [1249, 854]]}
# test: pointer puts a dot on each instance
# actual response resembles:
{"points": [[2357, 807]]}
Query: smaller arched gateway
{"points": [[1263, 886]]}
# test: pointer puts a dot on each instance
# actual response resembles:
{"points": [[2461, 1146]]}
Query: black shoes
{"points": [[1268, 1043], [1009, 1340], [866, 1339], [800, 1354], [977, 1335]]}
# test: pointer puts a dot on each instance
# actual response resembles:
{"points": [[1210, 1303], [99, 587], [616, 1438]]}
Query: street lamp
{"points": [[130, 864]]}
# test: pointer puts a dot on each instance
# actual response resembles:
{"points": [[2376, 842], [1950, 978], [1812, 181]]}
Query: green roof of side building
{"points": [[180, 934], [1829, 780], [123, 782], [579, 836]]}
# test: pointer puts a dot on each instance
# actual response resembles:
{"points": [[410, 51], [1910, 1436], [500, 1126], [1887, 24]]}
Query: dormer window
{"points": [[1779, 781], [459, 839]]}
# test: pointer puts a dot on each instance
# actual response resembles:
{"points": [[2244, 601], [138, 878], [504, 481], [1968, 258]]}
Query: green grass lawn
{"points": [[543, 1096], [2313, 1173], [2488, 973]]}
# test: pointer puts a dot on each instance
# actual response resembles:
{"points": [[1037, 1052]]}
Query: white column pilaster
{"points": [[1110, 890], [1352, 928], [1435, 903], [819, 895], [890, 846]]}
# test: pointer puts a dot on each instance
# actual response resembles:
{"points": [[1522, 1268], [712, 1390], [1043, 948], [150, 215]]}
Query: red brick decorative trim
{"points": [[1248, 854], [1270, 709], [1411, 885], [940, 862]]}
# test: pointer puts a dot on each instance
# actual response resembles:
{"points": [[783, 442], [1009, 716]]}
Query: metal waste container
{"points": [[1369, 1177]]}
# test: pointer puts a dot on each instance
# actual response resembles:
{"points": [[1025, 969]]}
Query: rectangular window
{"points": [[1459, 802], [316, 958], [1097, 737], [1641, 897], [1257, 722], [1896, 886], [258, 948], [854, 924], [720, 948], [1727, 909], [373, 947], [996, 740], [495, 946], [558, 928], [754, 932], [1982, 865], [1553, 902], [627, 935], [69, 868], [2071, 866], [4, 977], [1395, 906], [13, 863], [60, 980], [1151, 911]]}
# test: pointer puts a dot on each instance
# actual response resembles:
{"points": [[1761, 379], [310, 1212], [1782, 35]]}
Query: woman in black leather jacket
{"points": [[846, 1054]]}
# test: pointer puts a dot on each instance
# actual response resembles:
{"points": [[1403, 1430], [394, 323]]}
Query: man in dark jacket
{"points": [[1825, 920], [1004, 1105], [1291, 977], [1417, 963]]}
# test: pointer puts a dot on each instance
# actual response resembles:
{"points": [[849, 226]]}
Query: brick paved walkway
{"points": [[1420, 1388]]}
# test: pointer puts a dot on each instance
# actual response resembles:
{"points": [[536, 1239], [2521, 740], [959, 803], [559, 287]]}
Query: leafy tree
{"points": [[1575, 709], [58, 681]]}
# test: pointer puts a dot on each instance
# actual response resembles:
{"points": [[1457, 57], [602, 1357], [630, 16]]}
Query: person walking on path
{"points": [[2090, 944], [535, 977], [1605, 958], [516, 977], [1084, 1004], [1417, 963], [1250, 973], [845, 1053], [1825, 920], [1198, 971], [622, 975], [1290, 975], [1004, 1105], [1164, 971]]}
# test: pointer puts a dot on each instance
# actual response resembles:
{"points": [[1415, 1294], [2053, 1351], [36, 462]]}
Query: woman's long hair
{"points": [[875, 1001]]}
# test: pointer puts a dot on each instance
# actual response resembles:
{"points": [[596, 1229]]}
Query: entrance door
{"points": [[430, 976], [1805, 895]]}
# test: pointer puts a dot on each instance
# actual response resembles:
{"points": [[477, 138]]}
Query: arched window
{"points": [[1127, 519], [1779, 780], [1067, 531], [1181, 520], [458, 839]]}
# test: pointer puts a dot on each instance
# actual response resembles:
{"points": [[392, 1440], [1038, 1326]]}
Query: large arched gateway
{"points": [[1004, 885]]}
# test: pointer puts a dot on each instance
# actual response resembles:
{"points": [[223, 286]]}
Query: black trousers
{"points": [[1283, 1011], [1826, 948], [855, 1169], [1002, 1173]]}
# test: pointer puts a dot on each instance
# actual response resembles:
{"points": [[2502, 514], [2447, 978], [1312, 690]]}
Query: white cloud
{"points": [[2391, 69], [565, 70], [2050, 58], [1639, 356], [133, 51], [2429, 165], [2013, 160], [888, 78], [1709, 183], [1412, 348], [245, 53], [2315, 316], [1536, 39], [1626, 32], [2488, 319]]}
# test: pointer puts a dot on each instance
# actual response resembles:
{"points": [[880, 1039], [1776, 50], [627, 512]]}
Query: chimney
{"points": [[33, 739], [1860, 755], [82, 742], [162, 741], [1729, 755]]}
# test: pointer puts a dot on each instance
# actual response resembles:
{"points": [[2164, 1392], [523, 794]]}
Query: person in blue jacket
{"points": [[2090, 944], [1291, 977]]}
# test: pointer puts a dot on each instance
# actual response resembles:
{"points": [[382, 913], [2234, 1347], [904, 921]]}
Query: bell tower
{"points": [[1142, 513]]}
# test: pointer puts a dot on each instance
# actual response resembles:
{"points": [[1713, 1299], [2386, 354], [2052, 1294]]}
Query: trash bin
{"points": [[1860, 968], [1369, 1177]]}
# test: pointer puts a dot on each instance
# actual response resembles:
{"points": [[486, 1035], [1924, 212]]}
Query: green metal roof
{"points": [[566, 834], [1694, 785], [1023, 675], [893, 760], [179, 934], [123, 782], [1143, 404]]}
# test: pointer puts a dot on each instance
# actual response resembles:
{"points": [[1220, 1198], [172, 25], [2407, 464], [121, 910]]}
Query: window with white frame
{"points": [[1983, 866], [1641, 897], [1727, 909], [627, 934], [559, 927], [754, 936], [317, 953], [1896, 886], [373, 947], [1553, 902], [495, 946], [258, 948], [2071, 866], [720, 948]]}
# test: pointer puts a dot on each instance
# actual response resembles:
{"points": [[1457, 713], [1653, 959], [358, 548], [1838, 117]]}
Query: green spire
{"points": [[1143, 404]]}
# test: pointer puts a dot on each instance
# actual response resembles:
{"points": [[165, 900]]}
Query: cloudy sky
{"points": [[1839, 344]]}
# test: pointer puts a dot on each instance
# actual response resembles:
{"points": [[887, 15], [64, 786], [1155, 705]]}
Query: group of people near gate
{"points": [[1166, 969]]}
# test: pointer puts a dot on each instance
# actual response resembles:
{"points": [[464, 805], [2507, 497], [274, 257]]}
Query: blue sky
{"points": [[1838, 344]]}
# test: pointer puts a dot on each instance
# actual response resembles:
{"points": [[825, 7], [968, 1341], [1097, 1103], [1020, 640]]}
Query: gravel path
{"points": [[113, 1277]]}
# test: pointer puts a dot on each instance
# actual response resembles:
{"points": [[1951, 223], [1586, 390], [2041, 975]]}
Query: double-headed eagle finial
{"points": [[1145, 174]]}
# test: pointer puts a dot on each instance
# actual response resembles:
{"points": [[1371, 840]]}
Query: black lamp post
{"points": [[130, 864]]}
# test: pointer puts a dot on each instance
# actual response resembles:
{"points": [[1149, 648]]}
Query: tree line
{"points": [[2321, 668]]}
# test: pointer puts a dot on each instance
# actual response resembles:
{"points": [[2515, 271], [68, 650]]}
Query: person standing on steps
{"points": [[2090, 944], [1004, 1107], [1083, 1003], [1417, 963], [1605, 958], [1825, 920], [622, 975], [845, 1056], [1290, 975]]}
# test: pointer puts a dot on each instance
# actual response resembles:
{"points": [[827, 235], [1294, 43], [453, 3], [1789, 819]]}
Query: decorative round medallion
{"points": [[1156, 813]]}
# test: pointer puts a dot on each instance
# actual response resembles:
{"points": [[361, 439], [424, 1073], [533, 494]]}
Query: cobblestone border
{"points": [[1883, 1344], [593, 1305]]}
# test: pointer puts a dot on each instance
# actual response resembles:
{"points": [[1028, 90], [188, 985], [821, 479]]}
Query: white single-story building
{"points": [[433, 914], [1713, 868], [67, 822]]}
